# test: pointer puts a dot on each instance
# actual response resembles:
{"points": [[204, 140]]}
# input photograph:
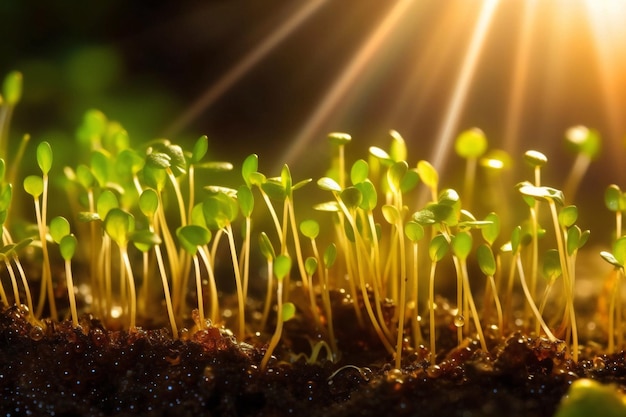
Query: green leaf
{"points": [[106, 202], [289, 311], [339, 138], [144, 240], [351, 197], [583, 140], [490, 232], [542, 193], [59, 228], [568, 216], [380, 154], [249, 167], [256, 178], [462, 245], [274, 189], [67, 246], [414, 231], [428, 174], [486, 260], [587, 397], [310, 265], [219, 210], [245, 200], [100, 167], [12, 88], [282, 266], [6, 193], [551, 264], [84, 176], [328, 184], [160, 160], [359, 172], [200, 149], [516, 239], [471, 143], [614, 198], [573, 239], [118, 224], [192, 236], [619, 250], [44, 157], [395, 174], [369, 195], [438, 248], [285, 180], [608, 256], [397, 150], [267, 250], [300, 184], [310, 228], [535, 158], [33, 185], [330, 255], [409, 181], [391, 214], [216, 166], [149, 202]]}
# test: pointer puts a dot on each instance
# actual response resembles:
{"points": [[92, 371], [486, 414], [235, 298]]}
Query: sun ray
{"points": [[246, 63], [461, 87], [348, 77]]}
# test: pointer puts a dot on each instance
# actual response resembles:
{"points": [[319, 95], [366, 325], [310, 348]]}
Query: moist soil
{"points": [[55, 369]]}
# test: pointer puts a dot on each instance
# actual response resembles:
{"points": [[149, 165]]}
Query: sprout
{"points": [[586, 144], [470, 144], [282, 266]]}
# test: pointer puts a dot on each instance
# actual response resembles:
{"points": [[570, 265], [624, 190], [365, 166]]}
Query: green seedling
{"points": [[193, 239], [11, 96], [119, 225], [149, 205], [437, 249], [461, 245], [220, 210], [470, 145], [615, 315], [586, 397], [536, 160], [340, 140], [586, 144], [285, 311], [615, 201], [267, 250], [553, 197], [60, 233], [415, 232]]}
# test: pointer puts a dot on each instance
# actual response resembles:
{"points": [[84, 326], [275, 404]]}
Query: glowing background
{"points": [[274, 77]]}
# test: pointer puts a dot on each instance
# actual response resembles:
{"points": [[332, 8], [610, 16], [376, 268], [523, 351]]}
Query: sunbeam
{"points": [[247, 62], [348, 77], [461, 86]]}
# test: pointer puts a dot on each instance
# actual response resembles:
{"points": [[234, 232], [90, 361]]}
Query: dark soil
{"points": [[95, 372]]}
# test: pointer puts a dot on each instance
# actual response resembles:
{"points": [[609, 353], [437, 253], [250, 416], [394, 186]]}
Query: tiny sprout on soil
{"points": [[368, 245]]}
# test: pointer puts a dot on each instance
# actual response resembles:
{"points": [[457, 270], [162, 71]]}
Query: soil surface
{"points": [[58, 370]]}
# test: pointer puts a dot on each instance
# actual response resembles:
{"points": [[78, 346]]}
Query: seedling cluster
{"points": [[148, 224]]}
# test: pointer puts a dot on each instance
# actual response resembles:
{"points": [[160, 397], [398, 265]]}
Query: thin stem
{"points": [[70, 291], [201, 319], [241, 300], [131, 287], [431, 297], [279, 327], [166, 291], [530, 299]]}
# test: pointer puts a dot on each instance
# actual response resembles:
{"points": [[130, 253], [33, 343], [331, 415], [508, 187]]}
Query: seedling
{"points": [[471, 144], [285, 311]]}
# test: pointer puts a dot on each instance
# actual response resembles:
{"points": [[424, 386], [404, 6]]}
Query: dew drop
{"points": [[459, 320], [598, 364], [433, 371], [36, 333], [395, 375]]}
